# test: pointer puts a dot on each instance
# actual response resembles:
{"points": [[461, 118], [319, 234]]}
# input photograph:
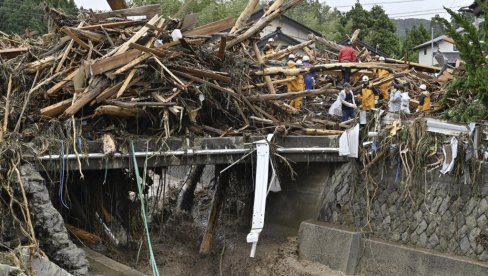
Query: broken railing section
{"points": [[260, 192]]}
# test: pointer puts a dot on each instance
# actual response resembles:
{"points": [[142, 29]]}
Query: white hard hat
{"points": [[423, 87], [306, 58], [291, 56], [365, 78], [299, 62], [271, 39], [382, 59]]}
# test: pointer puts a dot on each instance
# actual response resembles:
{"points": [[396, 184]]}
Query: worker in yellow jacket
{"points": [[382, 73], [270, 47], [424, 99], [367, 96], [296, 85]]}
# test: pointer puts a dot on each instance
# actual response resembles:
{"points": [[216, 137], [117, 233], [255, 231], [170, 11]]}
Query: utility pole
{"points": [[432, 46]]}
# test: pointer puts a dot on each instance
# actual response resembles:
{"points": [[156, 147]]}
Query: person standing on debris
{"points": [[348, 103], [269, 48], [347, 54], [296, 85], [424, 99], [310, 76], [382, 73], [405, 103], [292, 57], [395, 103], [367, 96]]}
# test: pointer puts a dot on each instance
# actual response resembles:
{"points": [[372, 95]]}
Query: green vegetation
{"points": [[414, 36], [17, 16], [472, 86]]}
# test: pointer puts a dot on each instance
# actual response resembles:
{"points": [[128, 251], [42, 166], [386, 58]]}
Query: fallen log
{"points": [[289, 50], [292, 95], [329, 67], [244, 16], [330, 44], [314, 131], [262, 23], [58, 108], [264, 84], [112, 110], [267, 79], [149, 10]]}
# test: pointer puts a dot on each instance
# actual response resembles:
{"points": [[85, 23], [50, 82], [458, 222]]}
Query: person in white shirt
{"points": [[395, 103]]}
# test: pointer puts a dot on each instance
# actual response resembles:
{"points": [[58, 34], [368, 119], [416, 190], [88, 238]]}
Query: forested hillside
{"points": [[17, 16]]}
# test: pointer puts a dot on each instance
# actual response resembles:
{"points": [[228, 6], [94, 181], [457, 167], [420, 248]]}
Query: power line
{"points": [[421, 11], [380, 3]]}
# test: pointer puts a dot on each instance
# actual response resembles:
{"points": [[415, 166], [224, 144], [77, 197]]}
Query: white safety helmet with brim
{"points": [[365, 79], [306, 58]]}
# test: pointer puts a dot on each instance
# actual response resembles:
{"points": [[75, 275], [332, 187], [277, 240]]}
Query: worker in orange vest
{"points": [[424, 99], [367, 96]]}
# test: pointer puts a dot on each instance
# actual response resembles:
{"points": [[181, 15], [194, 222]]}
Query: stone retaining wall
{"points": [[439, 213]]}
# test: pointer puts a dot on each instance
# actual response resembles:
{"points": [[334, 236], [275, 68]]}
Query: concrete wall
{"points": [[436, 212], [299, 199], [355, 254]]}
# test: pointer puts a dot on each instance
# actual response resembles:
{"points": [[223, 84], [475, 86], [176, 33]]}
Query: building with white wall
{"points": [[441, 45]]}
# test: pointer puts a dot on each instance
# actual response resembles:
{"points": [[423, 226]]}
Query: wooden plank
{"points": [[149, 10], [75, 37], [217, 87], [112, 110], [13, 52], [221, 53], [214, 27], [54, 110], [142, 31], [330, 67], [86, 97], [117, 4], [181, 85], [66, 52], [217, 204], [202, 73], [267, 79], [60, 84], [114, 24], [126, 83], [110, 63], [146, 49]]}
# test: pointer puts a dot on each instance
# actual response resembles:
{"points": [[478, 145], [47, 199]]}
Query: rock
{"points": [[468, 208], [395, 236], [483, 206], [435, 205], [387, 221], [479, 249], [481, 221], [462, 231], [422, 240], [460, 221], [444, 205], [483, 256], [431, 229], [433, 241], [418, 216], [443, 243], [405, 237], [464, 245], [421, 227], [473, 235], [471, 222]]}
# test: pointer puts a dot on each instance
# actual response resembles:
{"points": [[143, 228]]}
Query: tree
{"points": [[376, 28], [414, 36], [473, 85], [18, 16]]}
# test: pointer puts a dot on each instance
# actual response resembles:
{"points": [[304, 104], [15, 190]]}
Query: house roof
{"points": [[437, 40], [363, 44], [278, 35], [475, 8], [259, 13]]}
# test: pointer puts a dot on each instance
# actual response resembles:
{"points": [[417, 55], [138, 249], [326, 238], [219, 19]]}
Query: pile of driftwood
{"points": [[171, 77]]}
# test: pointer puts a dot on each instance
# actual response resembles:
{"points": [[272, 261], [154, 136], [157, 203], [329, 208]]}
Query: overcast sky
{"points": [[394, 8]]}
